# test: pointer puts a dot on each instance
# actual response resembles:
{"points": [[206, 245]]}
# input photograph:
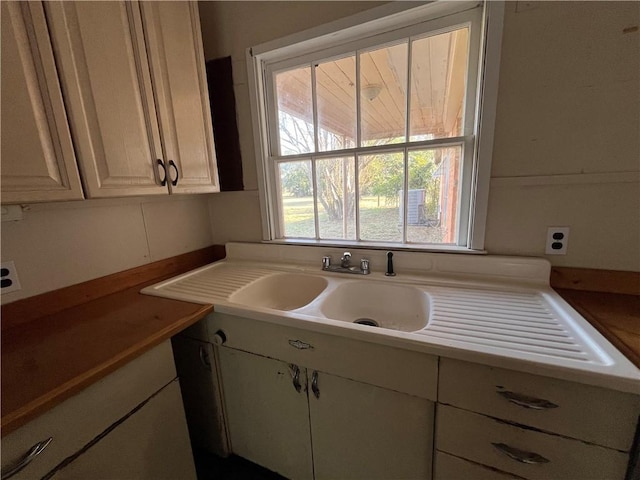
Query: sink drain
{"points": [[366, 321]]}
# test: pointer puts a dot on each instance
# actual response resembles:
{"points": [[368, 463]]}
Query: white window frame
{"points": [[376, 27]]}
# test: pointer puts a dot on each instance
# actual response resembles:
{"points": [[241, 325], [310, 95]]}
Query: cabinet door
{"points": [[174, 43], [105, 76], [267, 418], [196, 366], [364, 432], [152, 442], [38, 161]]}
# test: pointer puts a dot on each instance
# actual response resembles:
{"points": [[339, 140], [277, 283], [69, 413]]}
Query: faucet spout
{"points": [[345, 261]]}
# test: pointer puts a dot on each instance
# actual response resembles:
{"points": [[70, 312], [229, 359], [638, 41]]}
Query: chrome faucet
{"points": [[345, 265]]}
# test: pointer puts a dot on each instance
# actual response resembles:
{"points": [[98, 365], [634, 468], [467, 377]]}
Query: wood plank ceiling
{"points": [[438, 76]]}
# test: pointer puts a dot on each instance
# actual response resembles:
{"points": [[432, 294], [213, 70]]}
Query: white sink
{"points": [[395, 307], [281, 291]]}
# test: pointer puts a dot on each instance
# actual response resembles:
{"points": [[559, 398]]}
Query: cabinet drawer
{"points": [[393, 368], [448, 467], [593, 414], [498, 444], [75, 422]]}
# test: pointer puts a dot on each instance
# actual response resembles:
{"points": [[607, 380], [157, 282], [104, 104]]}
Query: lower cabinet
{"points": [[130, 424], [502, 423], [200, 386], [307, 424], [146, 445]]}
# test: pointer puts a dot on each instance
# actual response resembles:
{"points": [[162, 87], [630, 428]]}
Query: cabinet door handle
{"points": [[521, 456], [204, 357], [526, 401], [300, 345], [296, 377], [314, 384], [163, 181], [175, 167], [25, 460]]}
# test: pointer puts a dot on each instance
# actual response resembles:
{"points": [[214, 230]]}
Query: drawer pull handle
{"points": [[521, 456], [204, 357], [300, 345], [314, 384], [527, 402], [295, 370], [28, 457], [175, 167], [163, 181]]}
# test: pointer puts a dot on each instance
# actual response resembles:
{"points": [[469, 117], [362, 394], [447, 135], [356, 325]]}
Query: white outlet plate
{"points": [[10, 277], [557, 245]]}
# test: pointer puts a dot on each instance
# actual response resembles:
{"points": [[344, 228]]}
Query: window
{"points": [[372, 138]]}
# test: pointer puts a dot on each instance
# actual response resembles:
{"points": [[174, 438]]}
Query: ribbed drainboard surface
{"points": [[213, 284], [518, 321]]}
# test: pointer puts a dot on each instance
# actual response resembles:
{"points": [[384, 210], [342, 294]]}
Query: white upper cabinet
{"points": [[175, 52], [137, 101], [38, 160]]}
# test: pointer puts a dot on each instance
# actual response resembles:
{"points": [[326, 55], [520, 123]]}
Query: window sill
{"points": [[376, 246]]}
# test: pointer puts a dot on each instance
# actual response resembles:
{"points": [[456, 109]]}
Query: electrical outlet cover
{"points": [[557, 241], [9, 281]]}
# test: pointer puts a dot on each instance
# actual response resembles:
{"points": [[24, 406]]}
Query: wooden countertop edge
{"points": [[17, 418], [600, 324], [592, 280]]}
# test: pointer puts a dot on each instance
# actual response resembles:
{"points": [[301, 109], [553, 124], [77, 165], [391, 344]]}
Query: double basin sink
{"points": [[365, 302]]}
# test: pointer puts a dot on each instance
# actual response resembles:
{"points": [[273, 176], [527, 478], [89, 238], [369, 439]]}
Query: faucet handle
{"points": [[346, 256], [326, 262], [364, 266]]}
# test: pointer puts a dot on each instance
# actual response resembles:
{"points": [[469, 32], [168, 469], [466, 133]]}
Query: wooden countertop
{"points": [[609, 300], [49, 358]]}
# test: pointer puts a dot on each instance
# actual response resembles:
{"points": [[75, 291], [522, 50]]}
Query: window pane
{"points": [[383, 95], [295, 111], [432, 206], [438, 82], [336, 198], [296, 198], [336, 91], [381, 177]]}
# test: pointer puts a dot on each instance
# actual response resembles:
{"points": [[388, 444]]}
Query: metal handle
{"points": [[204, 357], [28, 457], [526, 401], [326, 262], [163, 181], [300, 345], [172, 164], [314, 384], [295, 370], [522, 456]]}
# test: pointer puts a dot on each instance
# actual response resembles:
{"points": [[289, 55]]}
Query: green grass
{"points": [[378, 222]]}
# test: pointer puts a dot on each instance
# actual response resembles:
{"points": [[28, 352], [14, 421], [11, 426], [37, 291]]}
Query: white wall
{"points": [[61, 244], [567, 139]]}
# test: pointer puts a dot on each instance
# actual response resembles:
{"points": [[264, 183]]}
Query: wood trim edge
{"points": [[29, 309], [589, 279]]}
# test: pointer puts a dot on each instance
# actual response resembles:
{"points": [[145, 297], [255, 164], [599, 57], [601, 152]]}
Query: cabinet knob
{"points": [[219, 338]]}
